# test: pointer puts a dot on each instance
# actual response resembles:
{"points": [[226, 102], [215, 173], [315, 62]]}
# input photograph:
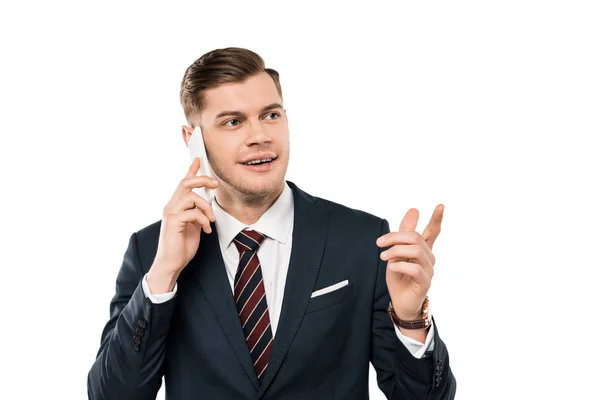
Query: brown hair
{"points": [[228, 65]]}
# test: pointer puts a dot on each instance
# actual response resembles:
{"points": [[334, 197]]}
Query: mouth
{"points": [[261, 165]]}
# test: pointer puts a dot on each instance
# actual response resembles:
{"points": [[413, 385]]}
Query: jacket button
{"points": [[136, 348], [142, 323], [140, 332], [137, 339]]}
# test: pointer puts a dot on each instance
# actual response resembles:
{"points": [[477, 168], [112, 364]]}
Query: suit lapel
{"points": [[209, 272], [308, 243]]}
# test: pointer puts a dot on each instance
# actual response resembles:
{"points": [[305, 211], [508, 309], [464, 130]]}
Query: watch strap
{"points": [[422, 323]]}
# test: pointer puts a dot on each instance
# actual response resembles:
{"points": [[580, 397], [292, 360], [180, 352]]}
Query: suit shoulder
{"points": [[352, 216], [149, 234], [146, 240]]}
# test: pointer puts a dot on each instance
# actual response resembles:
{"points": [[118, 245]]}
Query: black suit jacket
{"points": [[322, 347]]}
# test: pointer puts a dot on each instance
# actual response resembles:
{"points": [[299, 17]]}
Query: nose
{"points": [[257, 134]]}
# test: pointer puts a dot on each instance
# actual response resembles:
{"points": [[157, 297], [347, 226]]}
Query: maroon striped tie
{"points": [[251, 302]]}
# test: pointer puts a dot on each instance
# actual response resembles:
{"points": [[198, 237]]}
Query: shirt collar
{"points": [[274, 223]]}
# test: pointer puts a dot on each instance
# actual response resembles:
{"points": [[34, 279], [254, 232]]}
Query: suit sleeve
{"points": [[129, 363], [399, 374]]}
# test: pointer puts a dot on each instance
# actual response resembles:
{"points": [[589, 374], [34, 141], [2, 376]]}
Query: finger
{"points": [[413, 270], [409, 222], [195, 215], [193, 169], [433, 229], [407, 238], [198, 182], [411, 253], [188, 183], [203, 205], [192, 200]]}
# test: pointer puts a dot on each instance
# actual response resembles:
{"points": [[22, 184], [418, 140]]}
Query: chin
{"points": [[265, 187], [262, 186]]}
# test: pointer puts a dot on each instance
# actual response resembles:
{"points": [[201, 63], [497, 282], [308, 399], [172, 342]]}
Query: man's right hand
{"points": [[184, 216]]}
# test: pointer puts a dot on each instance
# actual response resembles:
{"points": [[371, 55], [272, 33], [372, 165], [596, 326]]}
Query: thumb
{"points": [[409, 222]]}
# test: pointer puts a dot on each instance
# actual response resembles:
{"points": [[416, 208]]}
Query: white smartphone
{"points": [[197, 149]]}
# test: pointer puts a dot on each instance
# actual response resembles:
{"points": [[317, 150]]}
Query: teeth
{"points": [[259, 161]]}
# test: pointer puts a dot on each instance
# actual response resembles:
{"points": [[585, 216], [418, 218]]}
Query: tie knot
{"points": [[248, 240]]}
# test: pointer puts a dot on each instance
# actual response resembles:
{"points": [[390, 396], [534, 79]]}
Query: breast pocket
{"points": [[330, 299]]}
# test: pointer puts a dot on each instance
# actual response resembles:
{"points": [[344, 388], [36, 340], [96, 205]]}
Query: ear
{"points": [[186, 132]]}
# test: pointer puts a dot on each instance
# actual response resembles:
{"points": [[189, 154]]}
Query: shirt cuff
{"points": [[416, 348], [157, 298]]}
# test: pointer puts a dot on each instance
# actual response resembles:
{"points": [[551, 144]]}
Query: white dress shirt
{"points": [[274, 255]]}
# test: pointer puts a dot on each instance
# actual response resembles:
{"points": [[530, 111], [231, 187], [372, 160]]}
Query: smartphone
{"points": [[197, 149]]}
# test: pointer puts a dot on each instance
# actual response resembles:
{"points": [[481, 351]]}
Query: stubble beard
{"points": [[238, 188]]}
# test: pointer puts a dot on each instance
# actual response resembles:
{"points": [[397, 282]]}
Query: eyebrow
{"points": [[242, 115]]}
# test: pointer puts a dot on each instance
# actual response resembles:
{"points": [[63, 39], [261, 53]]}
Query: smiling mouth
{"points": [[260, 162]]}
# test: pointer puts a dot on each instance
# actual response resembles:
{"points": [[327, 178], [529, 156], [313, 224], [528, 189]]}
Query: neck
{"points": [[246, 208]]}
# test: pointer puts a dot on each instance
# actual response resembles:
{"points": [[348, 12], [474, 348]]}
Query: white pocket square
{"points": [[329, 289]]}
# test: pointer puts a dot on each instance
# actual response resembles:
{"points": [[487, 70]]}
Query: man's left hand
{"points": [[410, 262]]}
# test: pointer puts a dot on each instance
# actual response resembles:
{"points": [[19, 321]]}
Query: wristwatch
{"points": [[424, 322]]}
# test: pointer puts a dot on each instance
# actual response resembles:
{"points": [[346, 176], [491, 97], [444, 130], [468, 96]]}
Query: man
{"points": [[268, 292]]}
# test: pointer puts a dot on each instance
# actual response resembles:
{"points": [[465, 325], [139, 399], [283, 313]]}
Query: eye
{"points": [[231, 120], [274, 113]]}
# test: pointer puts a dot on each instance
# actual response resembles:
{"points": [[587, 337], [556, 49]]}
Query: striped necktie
{"points": [[251, 302]]}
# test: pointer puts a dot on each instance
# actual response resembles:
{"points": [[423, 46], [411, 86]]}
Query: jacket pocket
{"points": [[330, 299]]}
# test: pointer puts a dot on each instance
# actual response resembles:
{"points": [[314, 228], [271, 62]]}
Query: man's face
{"points": [[242, 122]]}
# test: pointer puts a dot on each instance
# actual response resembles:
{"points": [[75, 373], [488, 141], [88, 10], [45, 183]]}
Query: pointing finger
{"points": [[433, 229]]}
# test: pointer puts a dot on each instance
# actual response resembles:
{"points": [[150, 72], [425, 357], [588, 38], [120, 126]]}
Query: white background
{"points": [[491, 108]]}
